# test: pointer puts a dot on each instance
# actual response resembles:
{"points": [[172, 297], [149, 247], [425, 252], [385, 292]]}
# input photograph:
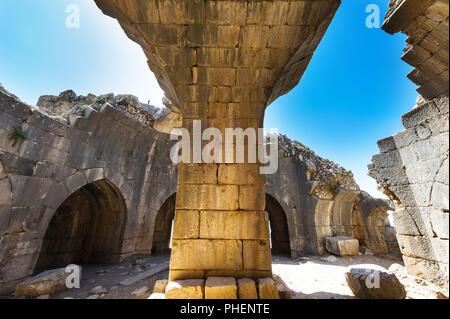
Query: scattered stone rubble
{"points": [[70, 106], [328, 176]]}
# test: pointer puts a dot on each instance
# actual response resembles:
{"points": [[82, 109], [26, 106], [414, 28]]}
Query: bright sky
{"points": [[352, 94]]}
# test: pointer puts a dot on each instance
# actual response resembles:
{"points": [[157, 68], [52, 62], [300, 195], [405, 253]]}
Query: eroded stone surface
{"points": [[342, 246], [45, 283], [247, 289], [220, 288]]}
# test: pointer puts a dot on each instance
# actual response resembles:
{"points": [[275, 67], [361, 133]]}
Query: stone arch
{"points": [[163, 226], [87, 228], [280, 235]]}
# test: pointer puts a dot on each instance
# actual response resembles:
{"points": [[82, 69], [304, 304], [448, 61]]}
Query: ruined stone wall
{"points": [[339, 209], [56, 159], [425, 22], [412, 168]]}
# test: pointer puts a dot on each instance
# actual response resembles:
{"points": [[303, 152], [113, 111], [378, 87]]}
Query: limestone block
{"points": [[212, 35], [220, 288], [283, 289], [247, 289], [374, 284], [440, 223], [198, 254], [207, 197], [234, 225], [267, 289], [160, 286], [257, 255], [186, 289], [440, 196], [254, 36], [252, 197], [157, 295], [342, 246], [240, 174], [416, 246], [45, 283], [186, 224]]}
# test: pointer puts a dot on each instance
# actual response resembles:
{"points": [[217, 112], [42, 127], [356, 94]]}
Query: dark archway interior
{"points": [[163, 227], [279, 227], [86, 229]]}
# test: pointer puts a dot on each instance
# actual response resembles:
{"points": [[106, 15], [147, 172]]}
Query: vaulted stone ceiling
{"points": [[205, 52]]}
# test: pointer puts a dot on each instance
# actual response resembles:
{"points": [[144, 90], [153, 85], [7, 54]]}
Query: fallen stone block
{"points": [[220, 288], [157, 295], [160, 286], [186, 289], [45, 283], [267, 289], [342, 246], [368, 283], [283, 290], [247, 289]]}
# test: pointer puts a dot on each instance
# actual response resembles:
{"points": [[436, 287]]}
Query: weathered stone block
{"points": [[247, 289], [198, 254], [207, 197], [374, 284], [234, 225], [267, 289], [186, 274], [257, 255], [220, 288], [251, 198], [342, 246], [186, 224], [47, 282], [186, 289]]}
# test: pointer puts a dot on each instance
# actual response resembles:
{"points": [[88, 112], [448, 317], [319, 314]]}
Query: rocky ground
{"points": [[312, 277], [322, 277]]}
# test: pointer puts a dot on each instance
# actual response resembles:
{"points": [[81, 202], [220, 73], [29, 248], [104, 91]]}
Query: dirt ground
{"points": [[314, 277], [311, 277]]}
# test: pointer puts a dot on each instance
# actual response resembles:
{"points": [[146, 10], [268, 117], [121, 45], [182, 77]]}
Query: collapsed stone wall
{"points": [[412, 168], [55, 159], [339, 209]]}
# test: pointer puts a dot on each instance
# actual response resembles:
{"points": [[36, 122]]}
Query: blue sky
{"points": [[352, 94]]}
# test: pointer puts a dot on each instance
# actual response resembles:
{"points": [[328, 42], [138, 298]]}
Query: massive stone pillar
{"points": [[223, 62], [220, 226]]}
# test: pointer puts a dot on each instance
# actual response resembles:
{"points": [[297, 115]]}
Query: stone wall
{"points": [[56, 159], [340, 209], [86, 163], [412, 168]]}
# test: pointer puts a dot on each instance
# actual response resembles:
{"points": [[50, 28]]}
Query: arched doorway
{"points": [[279, 231], [86, 229], [163, 227]]}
